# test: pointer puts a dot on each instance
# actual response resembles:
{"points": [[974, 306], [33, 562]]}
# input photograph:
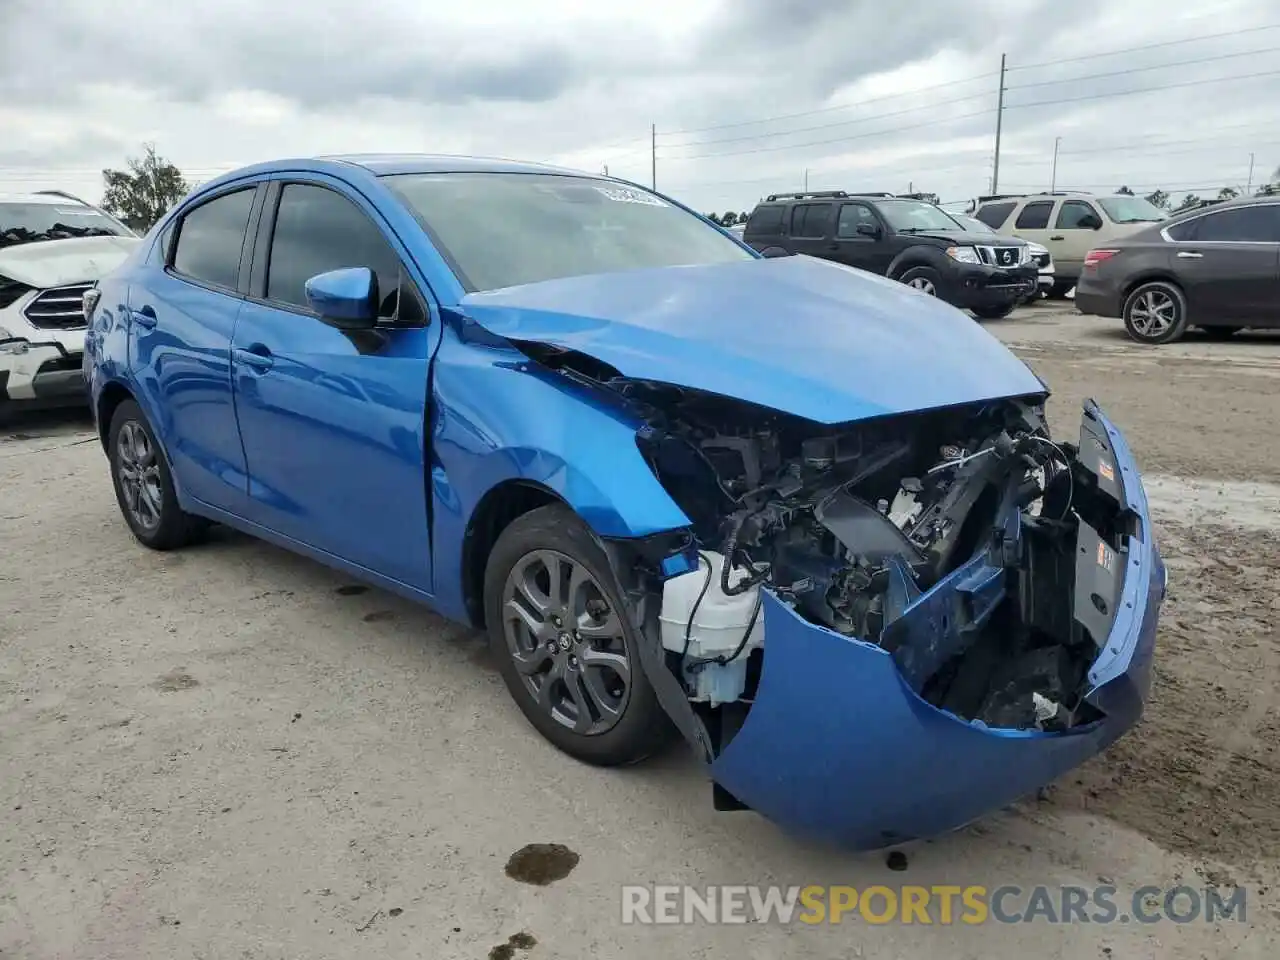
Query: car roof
{"points": [[49, 198]]}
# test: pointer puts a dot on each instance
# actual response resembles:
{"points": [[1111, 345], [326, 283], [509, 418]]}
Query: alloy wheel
{"points": [[138, 472], [924, 285], [566, 641], [1153, 313]]}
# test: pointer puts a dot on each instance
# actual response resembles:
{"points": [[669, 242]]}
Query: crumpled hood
{"points": [[962, 237], [804, 336], [52, 263]]}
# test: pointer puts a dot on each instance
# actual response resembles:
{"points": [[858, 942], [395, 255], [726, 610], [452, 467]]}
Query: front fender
{"points": [[919, 256], [496, 417]]}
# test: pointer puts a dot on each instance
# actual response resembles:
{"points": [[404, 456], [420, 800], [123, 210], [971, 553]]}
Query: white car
{"points": [[53, 247]]}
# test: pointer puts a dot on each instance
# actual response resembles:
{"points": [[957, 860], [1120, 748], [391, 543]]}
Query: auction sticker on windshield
{"points": [[623, 195]]}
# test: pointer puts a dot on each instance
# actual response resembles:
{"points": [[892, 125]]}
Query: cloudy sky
{"points": [[746, 95]]}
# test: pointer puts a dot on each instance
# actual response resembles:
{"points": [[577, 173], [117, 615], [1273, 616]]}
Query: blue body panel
{"points": [[805, 336], [373, 453]]}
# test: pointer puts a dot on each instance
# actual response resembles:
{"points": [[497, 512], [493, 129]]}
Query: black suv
{"points": [[902, 238]]}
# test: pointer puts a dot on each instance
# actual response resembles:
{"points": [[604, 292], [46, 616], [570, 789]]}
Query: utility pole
{"points": [[995, 171], [1053, 182], [1248, 190], [605, 169], [806, 179], [653, 156]]}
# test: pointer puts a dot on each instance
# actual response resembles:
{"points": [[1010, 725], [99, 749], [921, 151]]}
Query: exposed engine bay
{"points": [[985, 557]]}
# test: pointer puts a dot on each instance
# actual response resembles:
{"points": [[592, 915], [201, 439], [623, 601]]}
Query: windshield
{"points": [[906, 216], [28, 222], [974, 226], [1131, 209], [506, 229]]}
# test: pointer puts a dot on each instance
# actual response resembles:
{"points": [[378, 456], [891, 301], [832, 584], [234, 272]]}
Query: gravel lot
{"points": [[234, 752]]}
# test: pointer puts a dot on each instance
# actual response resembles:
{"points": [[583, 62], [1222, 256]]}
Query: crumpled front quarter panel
{"points": [[497, 416]]}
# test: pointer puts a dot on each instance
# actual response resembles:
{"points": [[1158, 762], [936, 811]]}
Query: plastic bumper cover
{"points": [[839, 747]]}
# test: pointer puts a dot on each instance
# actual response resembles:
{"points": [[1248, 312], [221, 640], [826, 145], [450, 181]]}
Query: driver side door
{"points": [[333, 422]]}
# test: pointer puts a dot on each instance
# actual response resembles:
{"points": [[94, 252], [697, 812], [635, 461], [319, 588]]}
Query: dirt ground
{"points": [[233, 752]]}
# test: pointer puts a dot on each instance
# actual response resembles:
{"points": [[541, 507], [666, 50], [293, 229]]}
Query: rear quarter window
{"points": [[994, 214], [210, 238], [765, 221], [1034, 216]]}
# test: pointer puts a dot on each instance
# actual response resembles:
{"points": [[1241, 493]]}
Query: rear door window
{"points": [[994, 214], [211, 237], [1034, 216], [810, 220], [1260, 224]]}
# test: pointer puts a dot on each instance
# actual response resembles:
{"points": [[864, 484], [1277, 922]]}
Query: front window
{"points": [[915, 216], [1131, 209], [506, 229], [32, 221]]}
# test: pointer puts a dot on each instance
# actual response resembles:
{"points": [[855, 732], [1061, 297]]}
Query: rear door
{"points": [[854, 246], [182, 314], [1228, 262], [1032, 224], [1075, 233], [811, 229], [764, 227], [334, 422]]}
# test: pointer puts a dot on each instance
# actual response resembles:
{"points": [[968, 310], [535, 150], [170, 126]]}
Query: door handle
{"points": [[144, 317], [1189, 255], [1058, 238], [258, 357]]}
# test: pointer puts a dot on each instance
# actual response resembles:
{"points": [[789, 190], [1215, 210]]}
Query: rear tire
{"points": [[564, 644], [1060, 289], [143, 484], [994, 313], [1155, 313]]}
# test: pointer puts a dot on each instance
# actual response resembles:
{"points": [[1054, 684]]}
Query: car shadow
{"points": [[19, 424]]}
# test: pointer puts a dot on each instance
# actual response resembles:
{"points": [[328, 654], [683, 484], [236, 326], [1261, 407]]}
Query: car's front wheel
{"points": [[1155, 313], [924, 279], [564, 644], [143, 484]]}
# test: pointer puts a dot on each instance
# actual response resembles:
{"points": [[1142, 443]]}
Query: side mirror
{"points": [[1091, 222], [346, 299], [865, 229]]}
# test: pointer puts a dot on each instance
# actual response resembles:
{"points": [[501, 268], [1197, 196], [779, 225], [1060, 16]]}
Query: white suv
{"points": [[1068, 225], [53, 247]]}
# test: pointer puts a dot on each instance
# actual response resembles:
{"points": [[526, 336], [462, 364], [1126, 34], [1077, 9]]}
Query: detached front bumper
{"points": [[839, 747]]}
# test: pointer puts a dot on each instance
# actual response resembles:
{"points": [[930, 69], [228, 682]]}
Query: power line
{"points": [[1125, 93], [1158, 66], [820, 110], [1147, 46]]}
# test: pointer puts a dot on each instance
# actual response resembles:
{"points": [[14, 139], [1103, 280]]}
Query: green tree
{"points": [[141, 194], [1228, 193], [1125, 191], [712, 217], [729, 219], [1189, 202], [1158, 198]]}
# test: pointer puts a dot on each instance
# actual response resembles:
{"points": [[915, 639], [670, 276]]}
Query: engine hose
{"points": [[730, 549]]}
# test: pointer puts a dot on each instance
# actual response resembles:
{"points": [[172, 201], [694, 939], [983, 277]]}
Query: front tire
{"points": [[1155, 313], [924, 279], [994, 313], [1060, 289], [143, 484], [566, 649]]}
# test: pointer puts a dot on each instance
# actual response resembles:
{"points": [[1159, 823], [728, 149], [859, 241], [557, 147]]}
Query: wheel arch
{"points": [[110, 397], [501, 506], [1149, 276], [917, 256]]}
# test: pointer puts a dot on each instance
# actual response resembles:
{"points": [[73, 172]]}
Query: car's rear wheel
{"points": [[143, 484], [924, 279], [565, 646], [1060, 289], [1155, 312], [1218, 332], [994, 313]]}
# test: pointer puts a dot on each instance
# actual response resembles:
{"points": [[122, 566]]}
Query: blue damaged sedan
{"points": [[803, 517]]}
